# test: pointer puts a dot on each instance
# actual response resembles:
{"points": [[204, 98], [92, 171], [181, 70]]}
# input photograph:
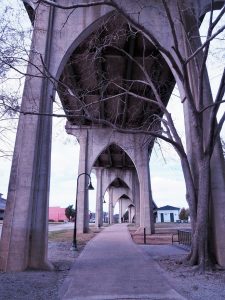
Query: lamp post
{"points": [[104, 213], [90, 187]]}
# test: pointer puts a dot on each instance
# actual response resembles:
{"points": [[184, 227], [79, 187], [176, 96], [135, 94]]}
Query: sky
{"points": [[166, 176]]}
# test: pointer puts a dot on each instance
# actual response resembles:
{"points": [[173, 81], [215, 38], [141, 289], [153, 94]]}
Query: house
{"points": [[167, 214], [2, 206], [57, 214]]}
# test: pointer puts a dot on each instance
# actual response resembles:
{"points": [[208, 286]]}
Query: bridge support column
{"points": [[24, 240], [146, 210], [82, 193], [99, 199], [136, 197], [120, 210], [111, 220]]}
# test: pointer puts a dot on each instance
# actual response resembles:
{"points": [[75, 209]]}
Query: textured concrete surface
{"points": [[113, 267]]}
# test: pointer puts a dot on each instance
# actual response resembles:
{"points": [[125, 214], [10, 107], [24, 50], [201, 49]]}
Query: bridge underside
{"points": [[106, 83], [107, 79]]}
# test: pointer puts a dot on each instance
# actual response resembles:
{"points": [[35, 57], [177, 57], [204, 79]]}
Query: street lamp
{"points": [[104, 213], [90, 187]]}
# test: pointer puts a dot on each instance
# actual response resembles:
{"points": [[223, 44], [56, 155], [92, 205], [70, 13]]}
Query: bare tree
{"points": [[14, 45]]}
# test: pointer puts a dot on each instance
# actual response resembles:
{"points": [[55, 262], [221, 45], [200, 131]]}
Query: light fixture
{"points": [[90, 187]]}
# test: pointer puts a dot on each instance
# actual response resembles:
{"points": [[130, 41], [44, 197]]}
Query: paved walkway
{"points": [[112, 267]]}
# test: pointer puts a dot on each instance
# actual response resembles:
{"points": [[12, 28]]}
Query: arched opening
{"points": [[113, 168], [125, 209], [102, 81], [218, 4], [103, 85], [30, 10], [114, 157]]}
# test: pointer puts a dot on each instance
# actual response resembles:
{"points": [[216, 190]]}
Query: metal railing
{"points": [[184, 237]]}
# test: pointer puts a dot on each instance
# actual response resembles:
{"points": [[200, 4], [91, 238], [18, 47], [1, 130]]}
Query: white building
{"points": [[2, 206], [167, 214]]}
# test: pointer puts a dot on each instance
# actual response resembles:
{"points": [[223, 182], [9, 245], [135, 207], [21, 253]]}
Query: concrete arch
{"points": [[113, 141], [205, 6], [123, 181], [123, 195], [30, 8], [80, 38], [30, 3], [114, 173], [125, 205], [119, 192], [127, 179]]}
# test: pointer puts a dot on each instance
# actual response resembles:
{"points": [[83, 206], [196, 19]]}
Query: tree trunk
{"points": [[200, 250], [190, 191]]}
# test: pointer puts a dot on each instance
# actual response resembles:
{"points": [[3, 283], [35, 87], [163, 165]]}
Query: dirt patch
{"points": [[190, 283], [165, 236], [183, 278], [155, 239], [37, 285]]}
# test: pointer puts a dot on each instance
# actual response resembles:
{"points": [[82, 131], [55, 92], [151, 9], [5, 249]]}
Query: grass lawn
{"points": [[67, 236]]}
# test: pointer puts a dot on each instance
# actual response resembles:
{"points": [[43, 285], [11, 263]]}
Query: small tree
{"points": [[70, 212], [187, 213], [182, 214]]}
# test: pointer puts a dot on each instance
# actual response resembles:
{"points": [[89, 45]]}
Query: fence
{"points": [[184, 237]]}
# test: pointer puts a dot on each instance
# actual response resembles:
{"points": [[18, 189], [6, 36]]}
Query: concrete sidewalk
{"points": [[112, 267]]}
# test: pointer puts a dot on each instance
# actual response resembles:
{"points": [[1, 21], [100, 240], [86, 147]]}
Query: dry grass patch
{"points": [[165, 234], [67, 236]]}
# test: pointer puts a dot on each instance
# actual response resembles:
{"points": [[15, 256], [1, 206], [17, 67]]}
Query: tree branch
{"points": [[76, 6]]}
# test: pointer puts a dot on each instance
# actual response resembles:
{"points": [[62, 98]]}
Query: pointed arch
{"points": [[125, 197], [114, 183], [85, 33], [205, 6], [30, 8], [115, 148]]}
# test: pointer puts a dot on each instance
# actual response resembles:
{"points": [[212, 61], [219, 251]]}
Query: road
{"points": [[53, 227], [59, 227]]}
